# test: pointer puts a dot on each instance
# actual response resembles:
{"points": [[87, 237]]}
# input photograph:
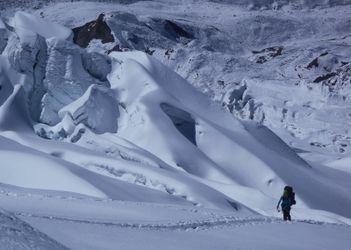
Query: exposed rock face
{"points": [[97, 29], [332, 72]]}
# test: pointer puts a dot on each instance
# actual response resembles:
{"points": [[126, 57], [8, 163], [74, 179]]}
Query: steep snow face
{"points": [[122, 125]]}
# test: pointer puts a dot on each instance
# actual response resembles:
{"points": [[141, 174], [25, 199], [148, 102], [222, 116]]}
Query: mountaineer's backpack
{"points": [[291, 194]]}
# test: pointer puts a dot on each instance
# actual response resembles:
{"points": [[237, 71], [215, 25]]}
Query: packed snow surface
{"points": [[120, 141]]}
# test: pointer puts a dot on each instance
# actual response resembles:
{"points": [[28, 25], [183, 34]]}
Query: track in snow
{"points": [[227, 221]]}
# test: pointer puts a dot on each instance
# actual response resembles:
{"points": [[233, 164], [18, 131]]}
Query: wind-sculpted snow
{"points": [[101, 133], [123, 125]]}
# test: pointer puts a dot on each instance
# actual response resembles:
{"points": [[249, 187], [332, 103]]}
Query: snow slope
{"points": [[16, 234], [107, 224], [82, 129], [299, 47]]}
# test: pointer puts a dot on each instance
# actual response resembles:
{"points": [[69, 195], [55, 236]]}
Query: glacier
{"points": [[107, 124]]}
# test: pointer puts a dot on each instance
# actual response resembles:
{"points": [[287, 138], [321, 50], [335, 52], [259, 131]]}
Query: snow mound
{"points": [[35, 170]]}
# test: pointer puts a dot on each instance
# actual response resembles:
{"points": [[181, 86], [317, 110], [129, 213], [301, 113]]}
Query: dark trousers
{"points": [[286, 214]]}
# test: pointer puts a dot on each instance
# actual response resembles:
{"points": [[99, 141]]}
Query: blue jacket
{"points": [[286, 202]]}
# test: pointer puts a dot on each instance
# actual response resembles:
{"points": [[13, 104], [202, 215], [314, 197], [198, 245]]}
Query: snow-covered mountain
{"points": [[156, 115]]}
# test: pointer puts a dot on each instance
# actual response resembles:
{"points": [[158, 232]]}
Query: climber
{"points": [[287, 200]]}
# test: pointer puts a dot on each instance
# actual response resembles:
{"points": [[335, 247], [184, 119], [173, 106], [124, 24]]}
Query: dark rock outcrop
{"points": [[97, 29]]}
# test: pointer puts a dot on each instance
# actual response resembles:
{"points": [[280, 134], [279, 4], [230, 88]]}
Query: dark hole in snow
{"points": [[182, 120], [115, 48], [57, 154], [149, 51], [233, 204], [78, 135], [97, 29], [270, 181], [324, 77], [313, 63], [175, 30]]}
